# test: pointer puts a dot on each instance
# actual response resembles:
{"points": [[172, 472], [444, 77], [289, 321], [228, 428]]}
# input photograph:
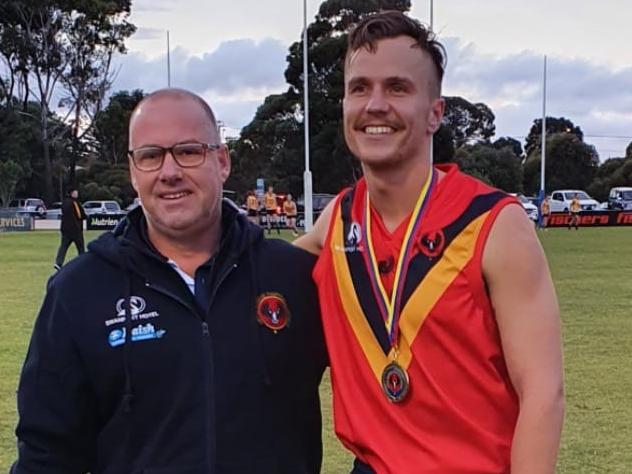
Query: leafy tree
{"points": [[469, 123], [570, 163], [10, 175], [628, 150], [553, 125], [105, 181], [612, 173], [47, 43], [507, 142], [498, 167], [110, 135]]}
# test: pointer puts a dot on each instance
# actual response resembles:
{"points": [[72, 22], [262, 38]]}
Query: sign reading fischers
{"points": [[104, 221], [12, 222], [592, 219]]}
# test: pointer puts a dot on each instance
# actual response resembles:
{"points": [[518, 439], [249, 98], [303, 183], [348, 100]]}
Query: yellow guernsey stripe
{"points": [[351, 306], [419, 305], [438, 279]]}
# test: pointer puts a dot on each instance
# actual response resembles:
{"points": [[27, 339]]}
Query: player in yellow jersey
{"points": [[252, 207], [270, 203], [575, 208], [289, 208], [545, 210]]}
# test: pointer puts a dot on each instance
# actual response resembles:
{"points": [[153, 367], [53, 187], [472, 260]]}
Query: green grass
{"points": [[592, 270]]}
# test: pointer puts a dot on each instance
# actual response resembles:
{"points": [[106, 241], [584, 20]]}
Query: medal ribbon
{"points": [[390, 305]]}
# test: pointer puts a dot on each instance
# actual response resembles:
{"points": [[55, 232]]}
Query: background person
{"points": [[289, 208], [183, 342], [252, 207], [545, 209], [72, 217], [445, 353], [574, 209], [270, 203]]}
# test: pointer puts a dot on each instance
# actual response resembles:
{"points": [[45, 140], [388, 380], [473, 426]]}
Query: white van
{"points": [[620, 198]]}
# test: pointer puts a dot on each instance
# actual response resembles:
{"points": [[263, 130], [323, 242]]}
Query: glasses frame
{"points": [[165, 150]]}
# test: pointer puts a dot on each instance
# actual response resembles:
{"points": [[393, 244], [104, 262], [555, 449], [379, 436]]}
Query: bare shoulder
{"points": [[512, 243], [314, 241]]}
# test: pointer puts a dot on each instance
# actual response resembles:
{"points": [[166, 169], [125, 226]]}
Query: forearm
{"points": [[537, 436]]}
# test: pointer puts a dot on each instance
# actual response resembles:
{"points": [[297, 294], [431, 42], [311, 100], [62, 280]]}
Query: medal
{"points": [[394, 377], [395, 382]]}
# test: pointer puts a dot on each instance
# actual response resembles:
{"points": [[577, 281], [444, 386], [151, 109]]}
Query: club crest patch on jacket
{"points": [[272, 311]]}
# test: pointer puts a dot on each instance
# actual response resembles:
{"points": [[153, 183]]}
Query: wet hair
{"points": [[391, 24], [176, 93]]}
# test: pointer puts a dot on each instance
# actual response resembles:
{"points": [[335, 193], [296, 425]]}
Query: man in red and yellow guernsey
{"points": [[441, 320]]}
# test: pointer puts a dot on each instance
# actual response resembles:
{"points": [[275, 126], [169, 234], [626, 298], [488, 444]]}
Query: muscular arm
{"points": [[314, 240], [527, 313]]}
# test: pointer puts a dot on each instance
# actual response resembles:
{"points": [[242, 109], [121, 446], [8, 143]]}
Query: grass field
{"points": [[592, 270]]}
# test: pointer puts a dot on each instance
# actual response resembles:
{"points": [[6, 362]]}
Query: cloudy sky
{"points": [[233, 54]]}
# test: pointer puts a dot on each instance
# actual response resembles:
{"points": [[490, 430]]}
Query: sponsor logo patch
{"points": [[142, 332]]}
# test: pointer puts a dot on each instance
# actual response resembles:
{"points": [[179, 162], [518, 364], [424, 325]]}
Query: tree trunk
{"points": [[48, 173]]}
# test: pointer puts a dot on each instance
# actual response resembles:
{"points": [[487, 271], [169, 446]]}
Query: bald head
{"points": [[162, 99]]}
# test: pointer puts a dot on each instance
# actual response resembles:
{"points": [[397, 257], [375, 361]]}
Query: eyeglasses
{"points": [[187, 155]]}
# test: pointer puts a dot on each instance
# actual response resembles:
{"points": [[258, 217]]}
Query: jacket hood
{"points": [[129, 238]]}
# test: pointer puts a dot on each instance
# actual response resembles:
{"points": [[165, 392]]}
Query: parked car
{"points": [[135, 203], [620, 198], [530, 208], [101, 207], [319, 202], [561, 200], [54, 211], [33, 207]]}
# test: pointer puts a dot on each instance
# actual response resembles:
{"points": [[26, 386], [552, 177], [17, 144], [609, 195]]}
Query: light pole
{"points": [[542, 192], [307, 175]]}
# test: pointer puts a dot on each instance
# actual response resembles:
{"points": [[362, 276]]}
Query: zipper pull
{"points": [[205, 330]]}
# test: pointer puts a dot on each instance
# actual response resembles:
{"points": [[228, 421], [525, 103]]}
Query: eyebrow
{"points": [[180, 142], [388, 80]]}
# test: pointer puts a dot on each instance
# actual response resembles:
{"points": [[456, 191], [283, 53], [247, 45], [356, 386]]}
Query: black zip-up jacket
{"points": [[195, 390]]}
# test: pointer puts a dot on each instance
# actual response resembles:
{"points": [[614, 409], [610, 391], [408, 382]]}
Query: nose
{"points": [[170, 170], [377, 102]]}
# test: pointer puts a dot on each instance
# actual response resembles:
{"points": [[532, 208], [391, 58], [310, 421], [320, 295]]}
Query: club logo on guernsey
{"points": [[272, 311], [142, 332], [432, 243]]}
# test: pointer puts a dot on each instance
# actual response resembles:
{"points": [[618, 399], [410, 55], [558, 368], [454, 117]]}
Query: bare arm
{"points": [[314, 241], [527, 313]]}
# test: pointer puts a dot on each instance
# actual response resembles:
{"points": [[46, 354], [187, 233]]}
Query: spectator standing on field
{"points": [[289, 208], [72, 217], [270, 203], [574, 208]]}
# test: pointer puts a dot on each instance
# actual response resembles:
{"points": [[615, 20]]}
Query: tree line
{"points": [[45, 149]]}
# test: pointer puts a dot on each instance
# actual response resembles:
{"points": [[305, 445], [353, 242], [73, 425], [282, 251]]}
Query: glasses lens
{"points": [[189, 154], [149, 158]]}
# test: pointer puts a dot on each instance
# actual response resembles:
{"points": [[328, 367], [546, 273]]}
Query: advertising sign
{"points": [[592, 219], [104, 221], [11, 221]]}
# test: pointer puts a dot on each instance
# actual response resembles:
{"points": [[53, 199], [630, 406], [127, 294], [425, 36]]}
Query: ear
{"points": [[223, 157], [435, 115], [132, 174]]}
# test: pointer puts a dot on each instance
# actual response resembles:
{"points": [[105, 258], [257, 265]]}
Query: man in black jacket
{"points": [[72, 217], [183, 342]]}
